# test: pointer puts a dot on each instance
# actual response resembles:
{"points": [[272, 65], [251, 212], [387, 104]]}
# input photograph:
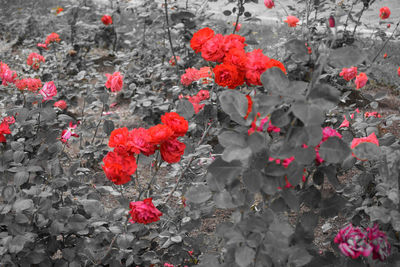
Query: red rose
{"points": [[61, 104], [140, 139], [212, 49], [119, 167], [160, 133], [4, 129], [361, 80], [291, 21], [144, 211], [237, 57], [177, 123], [257, 63], [384, 12], [349, 73], [114, 81], [190, 75], [172, 151], [119, 139], [200, 37], [269, 3], [34, 60], [233, 41], [228, 75], [106, 19], [51, 38]]}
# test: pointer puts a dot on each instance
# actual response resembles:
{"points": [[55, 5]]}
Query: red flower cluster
{"points": [[30, 83], [114, 82], [355, 241], [51, 38], [107, 20], [6, 74], [196, 99], [5, 128], [260, 128], [204, 75], [144, 211], [237, 66], [34, 60], [120, 164]]}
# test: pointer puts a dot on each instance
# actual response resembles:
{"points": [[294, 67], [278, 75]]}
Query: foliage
{"points": [[262, 151]]}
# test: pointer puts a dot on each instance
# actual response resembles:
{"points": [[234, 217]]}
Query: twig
{"points": [[240, 5], [387, 40], [83, 118], [188, 164], [358, 21], [348, 15], [98, 124], [108, 250], [152, 178], [169, 36]]}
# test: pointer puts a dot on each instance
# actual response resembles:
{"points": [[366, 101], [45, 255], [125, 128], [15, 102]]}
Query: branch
{"points": [[188, 165], [169, 37], [387, 40]]}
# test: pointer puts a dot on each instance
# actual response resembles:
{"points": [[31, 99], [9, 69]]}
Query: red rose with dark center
{"points": [[172, 151], [228, 75], [177, 123]]}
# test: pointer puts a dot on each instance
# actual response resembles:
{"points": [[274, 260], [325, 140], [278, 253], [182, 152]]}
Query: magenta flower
{"points": [[379, 243], [353, 242], [66, 134], [48, 91]]}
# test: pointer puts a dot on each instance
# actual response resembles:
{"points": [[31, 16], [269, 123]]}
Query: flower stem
{"points": [[169, 36], [188, 164]]}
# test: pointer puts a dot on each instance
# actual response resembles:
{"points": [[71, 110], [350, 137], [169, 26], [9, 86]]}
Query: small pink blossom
{"points": [[61, 104], [269, 3], [361, 80], [114, 82], [66, 134], [190, 75], [349, 73], [353, 242], [48, 91], [345, 122]]}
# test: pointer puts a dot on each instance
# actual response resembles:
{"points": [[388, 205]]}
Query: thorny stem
{"points": [[240, 6], [153, 178], [358, 21], [98, 124], [38, 128], [82, 117], [348, 15], [137, 174], [188, 164], [169, 36], [387, 40]]}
